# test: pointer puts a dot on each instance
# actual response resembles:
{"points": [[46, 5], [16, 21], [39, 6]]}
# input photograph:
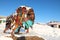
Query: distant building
{"points": [[54, 24], [2, 20]]}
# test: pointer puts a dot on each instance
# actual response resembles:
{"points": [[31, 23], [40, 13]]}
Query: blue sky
{"points": [[45, 10]]}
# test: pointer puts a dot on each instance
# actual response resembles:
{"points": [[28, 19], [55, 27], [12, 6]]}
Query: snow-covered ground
{"points": [[2, 35], [44, 31], [47, 32]]}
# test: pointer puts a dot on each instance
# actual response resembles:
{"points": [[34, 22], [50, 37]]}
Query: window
{"points": [[52, 25], [0, 21], [59, 26], [4, 21]]}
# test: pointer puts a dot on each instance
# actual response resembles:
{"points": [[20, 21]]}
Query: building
{"points": [[2, 19], [54, 24]]}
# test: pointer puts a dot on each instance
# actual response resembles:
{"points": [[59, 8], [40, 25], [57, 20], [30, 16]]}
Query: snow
{"points": [[2, 35], [26, 7], [47, 32], [44, 31], [5, 38]]}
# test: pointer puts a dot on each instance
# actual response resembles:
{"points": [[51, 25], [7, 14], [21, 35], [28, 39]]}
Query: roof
{"points": [[54, 22], [2, 17]]}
